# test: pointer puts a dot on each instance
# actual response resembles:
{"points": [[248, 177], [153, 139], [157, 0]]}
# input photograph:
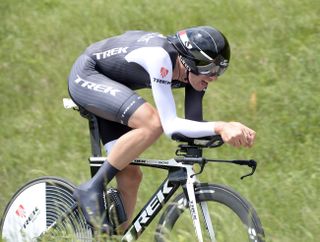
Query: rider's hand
{"points": [[235, 134]]}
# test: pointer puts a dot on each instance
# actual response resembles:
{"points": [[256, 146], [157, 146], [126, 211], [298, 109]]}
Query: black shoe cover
{"points": [[93, 208]]}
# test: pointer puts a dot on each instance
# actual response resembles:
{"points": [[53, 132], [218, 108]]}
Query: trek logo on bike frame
{"points": [[96, 87], [152, 206]]}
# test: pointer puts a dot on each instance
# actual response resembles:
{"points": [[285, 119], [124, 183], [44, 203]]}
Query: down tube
{"points": [[150, 210]]}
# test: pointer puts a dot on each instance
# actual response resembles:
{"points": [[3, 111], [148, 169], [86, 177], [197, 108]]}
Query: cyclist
{"points": [[103, 79]]}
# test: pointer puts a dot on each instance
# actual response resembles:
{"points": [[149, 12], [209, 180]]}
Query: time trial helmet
{"points": [[202, 50]]}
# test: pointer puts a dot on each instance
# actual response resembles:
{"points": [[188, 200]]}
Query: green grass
{"points": [[272, 86]]}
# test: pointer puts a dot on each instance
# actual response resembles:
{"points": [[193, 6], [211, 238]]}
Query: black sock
{"points": [[103, 176]]}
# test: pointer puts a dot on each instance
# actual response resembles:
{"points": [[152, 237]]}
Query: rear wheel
{"points": [[37, 206], [231, 216]]}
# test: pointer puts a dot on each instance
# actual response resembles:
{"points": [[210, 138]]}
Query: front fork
{"points": [[190, 195]]}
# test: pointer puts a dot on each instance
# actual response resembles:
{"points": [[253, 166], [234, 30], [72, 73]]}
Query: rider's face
{"points": [[200, 82]]}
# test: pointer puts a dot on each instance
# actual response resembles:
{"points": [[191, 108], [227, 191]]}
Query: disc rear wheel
{"points": [[35, 212]]}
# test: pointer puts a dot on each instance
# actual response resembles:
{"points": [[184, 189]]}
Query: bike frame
{"points": [[179, 174]]}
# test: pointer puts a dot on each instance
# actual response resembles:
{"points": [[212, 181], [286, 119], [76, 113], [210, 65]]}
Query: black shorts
{"points": [[112, 102]]}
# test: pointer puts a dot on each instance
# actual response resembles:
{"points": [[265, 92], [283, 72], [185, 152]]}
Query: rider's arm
{"points": [[157, 63], [169, 120]]}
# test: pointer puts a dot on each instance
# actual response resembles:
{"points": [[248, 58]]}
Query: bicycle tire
{"points": [[38, 205], [216, 196]]}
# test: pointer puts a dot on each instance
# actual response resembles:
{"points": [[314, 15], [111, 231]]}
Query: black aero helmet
{"points": [[202, 50]]}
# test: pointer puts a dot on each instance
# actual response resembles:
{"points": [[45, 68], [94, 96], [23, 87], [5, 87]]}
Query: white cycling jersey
{"points": [[153, 60]]}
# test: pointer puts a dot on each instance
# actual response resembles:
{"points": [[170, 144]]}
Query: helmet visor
{"points": [[211, 68]]}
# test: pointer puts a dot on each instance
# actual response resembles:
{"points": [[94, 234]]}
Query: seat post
{"points": [[94, 136]]}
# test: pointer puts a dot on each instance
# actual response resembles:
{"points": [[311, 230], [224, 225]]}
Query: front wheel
{"points": [[37, 206], [226, 216]]}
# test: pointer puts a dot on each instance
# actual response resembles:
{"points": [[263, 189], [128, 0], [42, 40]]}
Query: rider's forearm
{"points": [[187, 127]]}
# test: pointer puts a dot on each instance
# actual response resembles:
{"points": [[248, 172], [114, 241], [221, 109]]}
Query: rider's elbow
{"points": [[168, 134], [171, 126], [167, 130]]}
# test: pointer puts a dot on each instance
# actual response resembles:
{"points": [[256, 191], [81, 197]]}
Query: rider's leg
{"points": [[128, 181], [122, 106], [146, 130]]}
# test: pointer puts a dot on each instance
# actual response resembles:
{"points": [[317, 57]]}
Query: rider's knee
{"points": [[148, 119], [154, 125]]}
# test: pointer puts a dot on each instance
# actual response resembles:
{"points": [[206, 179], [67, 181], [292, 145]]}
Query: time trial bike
{"points": [[44, 210]]}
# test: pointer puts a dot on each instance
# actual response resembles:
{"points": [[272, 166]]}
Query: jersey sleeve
{"points": [[156, 61]]}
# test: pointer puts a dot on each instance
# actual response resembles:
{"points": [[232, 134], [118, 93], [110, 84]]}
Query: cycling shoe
{"points": [[92, 204]]}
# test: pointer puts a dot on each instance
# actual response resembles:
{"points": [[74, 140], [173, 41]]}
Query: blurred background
{"points": [[272, 85]]}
